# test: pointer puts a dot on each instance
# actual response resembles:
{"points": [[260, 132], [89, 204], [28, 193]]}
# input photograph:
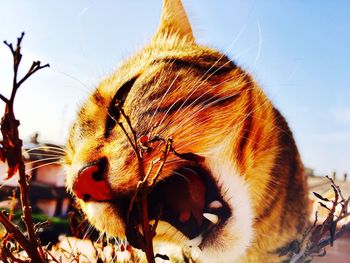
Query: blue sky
{"points": [[299, 51]]}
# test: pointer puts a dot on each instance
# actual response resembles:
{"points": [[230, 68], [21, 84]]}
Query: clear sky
{"points": [[299, 51]]}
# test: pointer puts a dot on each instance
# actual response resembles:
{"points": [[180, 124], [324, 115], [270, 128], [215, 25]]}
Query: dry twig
{"points": [[143, 188], [145, 184], [318, 236], [11, 152]]}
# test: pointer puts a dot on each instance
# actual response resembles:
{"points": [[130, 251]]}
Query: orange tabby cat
{"points": [[245, 201]]}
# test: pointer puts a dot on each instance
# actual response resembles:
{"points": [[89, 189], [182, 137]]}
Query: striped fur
{"points": [[211, 107]]}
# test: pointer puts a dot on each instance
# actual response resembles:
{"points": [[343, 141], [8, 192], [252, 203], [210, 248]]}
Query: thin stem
{"points": [[35, 67], [20, 238], [146, 227], [4, 99], [317, 237], [133, 145], [167, 150], [12, 152], [8, 254], [142, 187]]}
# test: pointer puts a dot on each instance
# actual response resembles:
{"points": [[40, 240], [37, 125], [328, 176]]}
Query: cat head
{"points": [[173, 88]]}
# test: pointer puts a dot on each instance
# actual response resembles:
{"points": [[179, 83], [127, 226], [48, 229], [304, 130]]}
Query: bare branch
{"points": [[12, 154], [3, 98], [17, 234], [8, 254], [318, 237], [34, 68]]}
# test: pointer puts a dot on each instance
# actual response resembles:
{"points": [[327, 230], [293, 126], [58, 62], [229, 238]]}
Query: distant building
{"points": [[47, 187], [309, 171]]}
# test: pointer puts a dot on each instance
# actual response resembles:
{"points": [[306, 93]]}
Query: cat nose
{"points": [[91, 183]]}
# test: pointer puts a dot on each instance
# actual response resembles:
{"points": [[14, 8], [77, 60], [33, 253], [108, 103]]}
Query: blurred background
{"points": [[297, 50]]}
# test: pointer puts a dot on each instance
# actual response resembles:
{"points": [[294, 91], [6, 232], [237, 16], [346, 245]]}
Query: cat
{"points": [[242, 202]]}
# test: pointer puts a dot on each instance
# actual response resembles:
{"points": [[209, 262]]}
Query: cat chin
{"points": [[104, 218]]}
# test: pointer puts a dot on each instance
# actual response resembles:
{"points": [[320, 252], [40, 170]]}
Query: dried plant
{"points": [[11, 152], [320, 235], [145, 184]]}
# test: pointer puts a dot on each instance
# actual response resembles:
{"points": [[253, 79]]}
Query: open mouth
{"points": [[190, 200]]}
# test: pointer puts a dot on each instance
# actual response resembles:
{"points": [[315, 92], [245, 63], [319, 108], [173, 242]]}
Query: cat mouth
{"points": [[190, 200]]}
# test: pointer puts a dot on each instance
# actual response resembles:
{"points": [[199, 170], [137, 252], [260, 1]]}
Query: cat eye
{"points": [[118, 99]]}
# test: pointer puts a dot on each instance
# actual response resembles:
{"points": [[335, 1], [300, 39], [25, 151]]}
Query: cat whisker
{"points": [[195, 85], [100, 236], [240, 123], [88, 231], [51, 149], [61, 173], [190, 113], [192, 103], [244, 51], [115, 257], [213, 102], [166, 115], [250, 155], [82, 84], [197, 134], [45, 154], [260, 44], [43, 160], [8, 181], [160, 102], [174, 161], [72, 248], [205, 153], [171, 121], [39, 166], [172, 131], [199, 140], [176, 173], [191, 170], [53, 153]]}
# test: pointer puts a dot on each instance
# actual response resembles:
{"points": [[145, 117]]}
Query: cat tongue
{"points": [[195, 190], [185, 195]]}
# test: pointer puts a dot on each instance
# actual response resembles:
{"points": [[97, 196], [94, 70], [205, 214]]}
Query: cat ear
{"points": [[174, 20]]}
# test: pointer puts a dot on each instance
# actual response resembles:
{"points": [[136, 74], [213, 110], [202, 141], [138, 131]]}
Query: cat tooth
{"points": [[195, 242], [215, 204], [195, 253], [211, 217]]}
